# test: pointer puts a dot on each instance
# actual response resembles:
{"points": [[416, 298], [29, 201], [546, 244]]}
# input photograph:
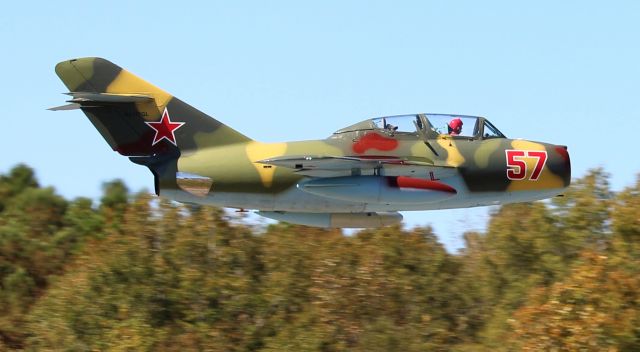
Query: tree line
{"points": [[134, 272]]}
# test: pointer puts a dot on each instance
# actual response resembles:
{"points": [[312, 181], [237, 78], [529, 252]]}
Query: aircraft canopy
{"points": [[429, 124]]}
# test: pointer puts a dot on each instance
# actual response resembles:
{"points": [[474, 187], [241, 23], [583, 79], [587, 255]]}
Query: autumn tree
{"points": [[136, 272], [596, 308]]}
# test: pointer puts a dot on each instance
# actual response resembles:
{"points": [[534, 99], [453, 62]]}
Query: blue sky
{"points": [[564, 72]]}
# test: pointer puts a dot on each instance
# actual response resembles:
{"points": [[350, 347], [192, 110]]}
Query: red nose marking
{"points": [[562, 150], [374, 141]]}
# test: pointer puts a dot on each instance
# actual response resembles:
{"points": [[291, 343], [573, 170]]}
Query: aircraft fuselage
{"points": [[482, 172]]}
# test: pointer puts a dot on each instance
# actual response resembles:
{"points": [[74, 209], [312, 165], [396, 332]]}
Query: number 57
{"points": [[517, 165]]}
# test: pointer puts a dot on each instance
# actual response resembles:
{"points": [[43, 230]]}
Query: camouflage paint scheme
{"points": [[197, 159]]}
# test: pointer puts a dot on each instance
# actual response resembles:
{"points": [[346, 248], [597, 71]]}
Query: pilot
{"points": [[455, 127]]}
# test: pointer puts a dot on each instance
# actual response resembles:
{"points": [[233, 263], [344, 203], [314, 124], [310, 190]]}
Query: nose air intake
{"points": [[564, 164]]}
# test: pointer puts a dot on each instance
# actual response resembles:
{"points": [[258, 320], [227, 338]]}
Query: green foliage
{"points": [[19, 178], [583, 213], [115, 195], [626, 224], [138, 273]]}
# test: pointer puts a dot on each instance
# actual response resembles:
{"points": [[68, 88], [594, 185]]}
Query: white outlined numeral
{"points": [[517, 165]]}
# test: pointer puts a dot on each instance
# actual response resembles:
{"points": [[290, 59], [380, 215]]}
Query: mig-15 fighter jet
{"points": [[360, 176]]}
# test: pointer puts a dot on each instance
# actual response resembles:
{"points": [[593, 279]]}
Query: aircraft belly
{"points": [[295, 199], [288, 200], [469, 200]]}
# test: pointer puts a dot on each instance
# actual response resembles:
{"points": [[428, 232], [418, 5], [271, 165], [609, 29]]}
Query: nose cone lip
{"points": [[563, 165]]}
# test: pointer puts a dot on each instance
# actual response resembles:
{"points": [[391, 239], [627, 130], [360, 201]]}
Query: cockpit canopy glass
{"points": [[400, 123], [441, 124], [454, 125], [490, 131]]}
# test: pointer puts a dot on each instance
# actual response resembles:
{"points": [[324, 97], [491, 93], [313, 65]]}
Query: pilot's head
{"points": [[455, 126]]}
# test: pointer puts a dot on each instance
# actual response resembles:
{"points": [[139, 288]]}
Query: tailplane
{"points": [[136, 118]]}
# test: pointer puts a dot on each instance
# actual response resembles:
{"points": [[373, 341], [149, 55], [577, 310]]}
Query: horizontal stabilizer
{"points": [[72, 106], [89, 97]]}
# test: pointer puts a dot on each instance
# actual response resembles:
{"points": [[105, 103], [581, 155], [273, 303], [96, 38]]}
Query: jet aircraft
{"points": [[360, 176]]}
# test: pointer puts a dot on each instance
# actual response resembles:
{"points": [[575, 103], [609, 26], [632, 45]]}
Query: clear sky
{"points": [[564, 72]]}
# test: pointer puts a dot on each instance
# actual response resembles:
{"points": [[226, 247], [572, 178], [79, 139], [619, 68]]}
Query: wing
{"points": [[336, 166]]}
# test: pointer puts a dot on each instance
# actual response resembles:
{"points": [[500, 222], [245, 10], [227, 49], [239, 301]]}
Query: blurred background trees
{"points": [[134, 272]]}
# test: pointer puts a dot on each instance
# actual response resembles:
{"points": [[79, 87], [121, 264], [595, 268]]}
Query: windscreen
{"points": [[402, 123]]}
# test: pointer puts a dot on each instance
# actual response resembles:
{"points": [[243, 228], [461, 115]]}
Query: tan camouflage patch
{"points": [[127, 82], [454, 157], [258, 151]]}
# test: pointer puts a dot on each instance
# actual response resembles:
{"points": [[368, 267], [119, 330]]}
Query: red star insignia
{"points": [[165, 129]]}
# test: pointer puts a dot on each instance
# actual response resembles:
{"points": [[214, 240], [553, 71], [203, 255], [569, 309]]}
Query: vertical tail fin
{"points": [[135, 117]]}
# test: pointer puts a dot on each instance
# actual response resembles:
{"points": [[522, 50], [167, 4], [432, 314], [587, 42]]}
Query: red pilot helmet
{"points": [[455, 126]]}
